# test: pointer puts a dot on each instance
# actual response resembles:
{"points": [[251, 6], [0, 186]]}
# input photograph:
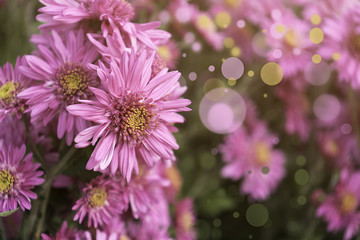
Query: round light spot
{"points": [[316, 35], [236, 214], [183, 14], [211, 68], [257, 215], [336, 56], [235, 52], [164, 16], [276, 14], [240, 23], [315, 19], [277, 30], [316, 58], [189, 37], [260, 45], [346, 128], [214, 83], [184, 55], [223, 19], [251, 73], [192, 76], [217, 222], [265, 170], [225, 114], [301, 200], [265, 95], [277, 53], [228, 42], [317, 74], [271, 73], [327, 107], [196, 47], [300, 161], [302, 177], [232, 68], [232, 82]]}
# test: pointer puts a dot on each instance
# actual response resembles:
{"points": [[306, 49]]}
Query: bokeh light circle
{"points": [[327, 107], [260, 45], [223, 19], [192, 76], [302, 177], [257, 215], [232, 68], [271, 73], [222, 110], [317, 74], [316, 35]]}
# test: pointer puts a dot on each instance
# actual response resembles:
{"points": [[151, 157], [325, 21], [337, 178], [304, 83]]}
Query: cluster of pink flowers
{"points": [[96, 78]]}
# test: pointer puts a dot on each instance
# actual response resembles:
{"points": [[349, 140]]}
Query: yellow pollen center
{"points": [[263, 153], [164, 52], [98, 197], [6, 181], [7, 91], [187, 221], [349, 203], [233, 3], [137, 120]]}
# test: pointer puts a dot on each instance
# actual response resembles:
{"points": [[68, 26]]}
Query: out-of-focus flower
{"points": [[12, 81], [132, 115], [169, 53], [67, 233], [63, 76], [185, 220], [102, 200], [341, 209], [342, 44], [18, 175], [62, 15], [251, 156]]}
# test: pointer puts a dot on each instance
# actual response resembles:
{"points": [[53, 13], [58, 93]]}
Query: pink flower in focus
{"points": [[251, 156], [132, 115], [102, 199], [62, 72], [18, 175], [185, 220], [342, 44], [68, 234], [341, 209], [12, 81], [71, 14]]}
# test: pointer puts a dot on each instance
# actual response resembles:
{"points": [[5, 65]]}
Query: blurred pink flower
{"points": [[18, 176], [63, 77], [185, 220], [67, 233], [341, 43], [132, 115], [12, 81], [341, 209], [102, 200], [251, 156]]}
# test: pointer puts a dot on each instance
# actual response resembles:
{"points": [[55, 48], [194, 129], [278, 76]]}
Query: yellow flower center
{"points": [[186, 221], [124, 237], [233, 3], [6, 181], [349, 203], [98, 197], [7, 92], [263, 153], [164, 52], [137, 120]]}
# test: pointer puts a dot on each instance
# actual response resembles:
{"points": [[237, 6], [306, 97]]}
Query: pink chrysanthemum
{"points": [[67, 233], [342, 43], [185, 220], [251, 155], [102, 200], [63, 76], [169, 53], [72, 14], [18, 175], [341, 209], [131, 115], [12, 81]]}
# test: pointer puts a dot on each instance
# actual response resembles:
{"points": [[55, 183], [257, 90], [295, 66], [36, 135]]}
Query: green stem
{"points": [[2, 230], [34, 149]]}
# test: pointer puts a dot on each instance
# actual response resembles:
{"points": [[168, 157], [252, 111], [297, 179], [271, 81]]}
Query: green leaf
{"points": [[7, 213]]}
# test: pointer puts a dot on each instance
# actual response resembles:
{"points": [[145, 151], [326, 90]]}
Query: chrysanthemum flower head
{"points": [[131, 115], [185, 220], [63, 77], [69, 233], [341, 209], [102, 199], [18, 175], [12, 81], [251, 155]]}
